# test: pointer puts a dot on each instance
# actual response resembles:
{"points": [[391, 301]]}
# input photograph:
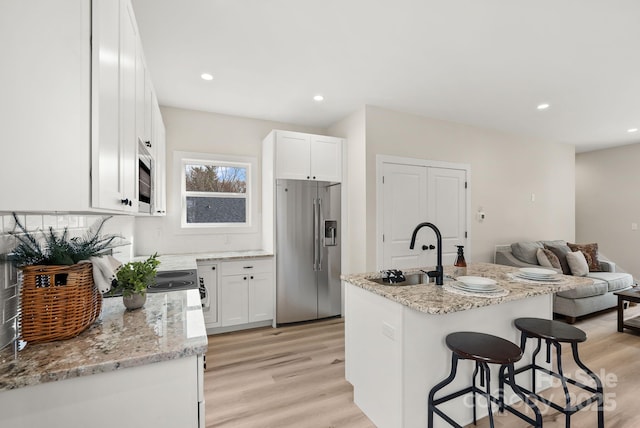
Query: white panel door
{"points": [[447, 208], [413, 194], [404, 206]]}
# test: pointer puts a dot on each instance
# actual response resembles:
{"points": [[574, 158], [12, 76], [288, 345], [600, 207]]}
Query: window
{"points": [[216, 191]]}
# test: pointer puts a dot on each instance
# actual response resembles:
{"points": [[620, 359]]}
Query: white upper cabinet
{"points": [[45, 105], [72, 132], [114, 127], [326, 158], [293, 154], [307, 157]]}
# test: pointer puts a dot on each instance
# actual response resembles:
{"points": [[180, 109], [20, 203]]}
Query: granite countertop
{"points": [[169, 326], [190, 261], [432, 299]]}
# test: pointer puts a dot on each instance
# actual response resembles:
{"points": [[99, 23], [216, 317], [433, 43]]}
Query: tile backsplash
{"points": [[77, 225]]}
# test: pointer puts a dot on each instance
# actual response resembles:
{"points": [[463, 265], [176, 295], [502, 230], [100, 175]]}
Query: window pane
{"points": [[215, 178], [216, 210]]}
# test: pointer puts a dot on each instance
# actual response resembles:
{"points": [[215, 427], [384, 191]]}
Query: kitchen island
{"points": [[138, 368], [394, 339]]}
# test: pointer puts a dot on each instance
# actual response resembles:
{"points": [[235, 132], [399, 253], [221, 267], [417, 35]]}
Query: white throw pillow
{"points": [[577, 263]]}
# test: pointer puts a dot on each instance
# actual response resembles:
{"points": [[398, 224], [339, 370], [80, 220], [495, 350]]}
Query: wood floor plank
{"points": [[294, 377]]}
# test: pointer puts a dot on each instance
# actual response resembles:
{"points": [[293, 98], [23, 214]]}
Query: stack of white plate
{"points": [[476, 284], [537, 274]]}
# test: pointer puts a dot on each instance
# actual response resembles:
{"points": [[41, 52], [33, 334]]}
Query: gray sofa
{"points": [[577, 302]]}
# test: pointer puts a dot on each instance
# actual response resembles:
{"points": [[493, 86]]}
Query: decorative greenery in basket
{"points": [[55, 248]]}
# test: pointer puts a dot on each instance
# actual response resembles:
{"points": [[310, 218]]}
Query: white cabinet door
{"points": [[45, 105], [128, 137], [158, 141], [114, 136], [308, 157], [208, 277], [260, 297], [105, 140], [293, 151], [234, 295], [326, 158]]}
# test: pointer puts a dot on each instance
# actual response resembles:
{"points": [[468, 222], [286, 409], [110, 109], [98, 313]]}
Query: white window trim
{"points": [[251, 163]]}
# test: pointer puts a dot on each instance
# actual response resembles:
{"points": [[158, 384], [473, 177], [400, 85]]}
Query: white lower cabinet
{"points": [[240, 293], [234, 300], [260, 297], [165, 394]]}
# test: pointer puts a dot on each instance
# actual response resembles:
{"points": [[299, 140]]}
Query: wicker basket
{"points": [[57, 302]]}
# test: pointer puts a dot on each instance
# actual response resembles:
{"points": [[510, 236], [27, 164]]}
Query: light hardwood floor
{"points": [[294, 377]]}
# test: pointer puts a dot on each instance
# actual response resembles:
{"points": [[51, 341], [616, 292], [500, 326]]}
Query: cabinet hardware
{"points": [[245, 278], [247, 267], [213, 268], [147, 143], [251, 277]]}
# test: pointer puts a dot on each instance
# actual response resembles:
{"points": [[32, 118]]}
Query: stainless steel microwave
{"points": [[145, 178]]}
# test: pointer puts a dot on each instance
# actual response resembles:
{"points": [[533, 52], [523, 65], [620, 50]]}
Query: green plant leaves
{"points": [[55, 248], [135, 277]]}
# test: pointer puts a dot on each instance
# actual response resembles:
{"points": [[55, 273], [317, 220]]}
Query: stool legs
{"points": [[568, 409], [596, 379], [438, 387]]}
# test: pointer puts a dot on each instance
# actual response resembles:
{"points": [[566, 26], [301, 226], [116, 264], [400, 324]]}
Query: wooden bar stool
{"points": [[554, 333], [484, 349]]}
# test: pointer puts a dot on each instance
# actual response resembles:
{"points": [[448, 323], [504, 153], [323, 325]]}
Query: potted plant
{"points": [[133, 279]]}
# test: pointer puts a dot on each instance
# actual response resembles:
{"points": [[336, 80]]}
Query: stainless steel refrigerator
{"points": [[307, 250]]}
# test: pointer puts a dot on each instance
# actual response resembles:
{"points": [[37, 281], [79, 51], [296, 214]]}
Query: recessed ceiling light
{"points": [[318, 98], [206, 76], [632, 130], [543, 106]]}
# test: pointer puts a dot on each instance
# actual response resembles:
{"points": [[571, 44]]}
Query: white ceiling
{"points": [[487, 63]]}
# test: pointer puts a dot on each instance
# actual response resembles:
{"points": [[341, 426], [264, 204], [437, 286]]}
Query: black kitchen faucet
{"points": [[438, 273]]}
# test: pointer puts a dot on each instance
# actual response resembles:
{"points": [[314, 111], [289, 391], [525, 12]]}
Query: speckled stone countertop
{"points": [[433, 299], [169, 326], [190, 261]]}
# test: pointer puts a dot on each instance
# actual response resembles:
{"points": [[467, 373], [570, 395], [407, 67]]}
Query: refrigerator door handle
{"points": [[320, 233], [315, 234]]}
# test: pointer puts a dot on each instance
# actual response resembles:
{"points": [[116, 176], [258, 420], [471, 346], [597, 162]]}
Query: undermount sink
{"points": [[410, 279]]}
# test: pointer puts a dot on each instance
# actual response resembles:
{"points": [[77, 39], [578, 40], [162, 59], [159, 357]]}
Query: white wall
{"points": [[607, 203], [354, 244], [505, 171], [195, 131]]}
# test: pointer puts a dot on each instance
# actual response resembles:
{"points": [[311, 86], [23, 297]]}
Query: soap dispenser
{"points": [[460, 264]]}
